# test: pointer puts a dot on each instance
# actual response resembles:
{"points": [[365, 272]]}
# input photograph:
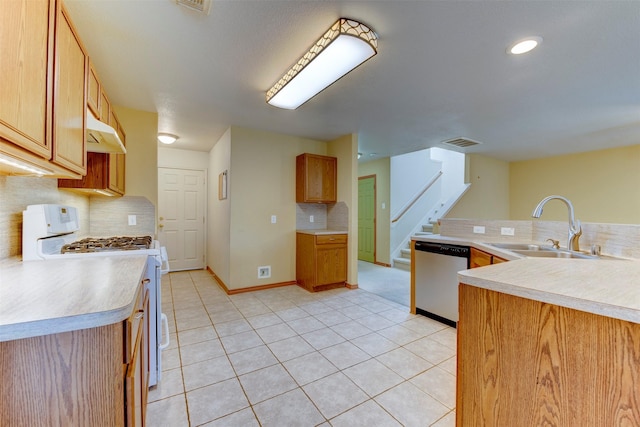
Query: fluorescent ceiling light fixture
{"points": [[524, 46], [22, 165], [167, 138], [342, 48]]}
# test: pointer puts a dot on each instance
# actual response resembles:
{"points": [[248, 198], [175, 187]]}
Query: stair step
{"points": [[402, 263], [427, 227], [405, 253]]}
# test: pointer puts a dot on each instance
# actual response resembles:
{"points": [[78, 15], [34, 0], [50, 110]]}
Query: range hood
{"points": [[102, 138]]}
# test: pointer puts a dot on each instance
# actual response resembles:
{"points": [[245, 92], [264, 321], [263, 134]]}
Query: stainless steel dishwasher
{"points": [[436, 279]]}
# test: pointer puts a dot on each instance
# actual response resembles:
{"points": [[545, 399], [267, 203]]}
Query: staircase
{"points": [[403, 262]]}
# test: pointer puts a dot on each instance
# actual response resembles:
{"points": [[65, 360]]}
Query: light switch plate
{"points": [[274, 219], [132, 220], [310, 218]]}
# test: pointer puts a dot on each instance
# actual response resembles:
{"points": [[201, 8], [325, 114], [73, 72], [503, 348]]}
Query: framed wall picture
{"points": [[222, 185]]}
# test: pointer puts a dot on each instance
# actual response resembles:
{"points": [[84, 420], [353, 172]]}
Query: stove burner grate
{"points": [[120, 243]]}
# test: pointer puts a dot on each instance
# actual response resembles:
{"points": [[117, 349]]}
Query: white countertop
{"points": [[322, 231], [606, 287], [52, 296]]}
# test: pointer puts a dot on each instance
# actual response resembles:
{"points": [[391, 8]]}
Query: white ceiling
{"points": [[441, 71]]}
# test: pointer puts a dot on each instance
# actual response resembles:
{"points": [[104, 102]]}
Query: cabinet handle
{"points": [[146, 281]]}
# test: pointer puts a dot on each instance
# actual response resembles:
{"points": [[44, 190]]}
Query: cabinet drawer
{"points": [[331, 239]]}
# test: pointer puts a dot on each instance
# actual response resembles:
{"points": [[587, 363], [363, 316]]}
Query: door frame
{"points": [[205, 207], [375, 214]]}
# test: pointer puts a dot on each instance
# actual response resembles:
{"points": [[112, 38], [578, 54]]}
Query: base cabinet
{"points": [[89, 377], [542, 364], [321, 261]]}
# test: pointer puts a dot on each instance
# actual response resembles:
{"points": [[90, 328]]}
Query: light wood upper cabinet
{"points": [[316, 179], [26, 85], [69, 96], [93, 91], [43, 87]]}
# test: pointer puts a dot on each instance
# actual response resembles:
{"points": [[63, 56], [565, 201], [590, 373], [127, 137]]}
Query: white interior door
{"points": [[181, 195]]}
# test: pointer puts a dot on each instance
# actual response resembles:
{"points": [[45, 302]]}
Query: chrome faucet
{"points": [[575, 229]]}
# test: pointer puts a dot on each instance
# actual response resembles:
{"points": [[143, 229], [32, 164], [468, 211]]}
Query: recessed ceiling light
{"points": [[167, 138], [524, 46]]}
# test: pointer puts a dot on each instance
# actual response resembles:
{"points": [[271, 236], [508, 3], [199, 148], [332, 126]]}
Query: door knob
{"points": [[160, 225]]}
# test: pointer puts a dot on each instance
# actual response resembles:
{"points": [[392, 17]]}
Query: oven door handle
{"points": [[165, 268], [165, 328]]}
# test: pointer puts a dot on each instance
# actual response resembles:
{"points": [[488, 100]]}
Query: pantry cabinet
{"points": [[321, 261], [44, 71], [316, 179]]}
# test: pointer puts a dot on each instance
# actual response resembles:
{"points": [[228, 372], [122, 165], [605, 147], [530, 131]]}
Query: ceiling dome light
{"points": [[524, 46], [167, 138]]}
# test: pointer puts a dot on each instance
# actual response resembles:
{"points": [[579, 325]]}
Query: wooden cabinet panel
{"points": [[67, 379], [481, 258], [105, 172], [542, 364], [105, 107], [93, 91], [321, 261], [316, 179], [70, 102], [137, 377], [26, 85]]}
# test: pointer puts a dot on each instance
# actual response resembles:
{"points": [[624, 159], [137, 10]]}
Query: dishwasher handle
{"points": [[443, 249]]}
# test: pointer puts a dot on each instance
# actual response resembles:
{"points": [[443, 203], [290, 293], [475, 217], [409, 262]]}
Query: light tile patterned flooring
{"points": [[287, 357]]}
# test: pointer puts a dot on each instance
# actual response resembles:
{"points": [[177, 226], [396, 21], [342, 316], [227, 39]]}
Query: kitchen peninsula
{"points": [[72, 341], [549, 342]]}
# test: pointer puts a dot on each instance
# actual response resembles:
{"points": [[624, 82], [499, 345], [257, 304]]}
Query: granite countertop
{"points": [[51, 296], [322, 231], [608, 287]]}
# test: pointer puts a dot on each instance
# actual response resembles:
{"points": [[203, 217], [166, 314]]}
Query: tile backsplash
{"points": [[17, 192], [99, 216], [110, 216], [333, 216]]}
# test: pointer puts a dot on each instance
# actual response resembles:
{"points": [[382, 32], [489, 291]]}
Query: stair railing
{"points": [[417, 197]]}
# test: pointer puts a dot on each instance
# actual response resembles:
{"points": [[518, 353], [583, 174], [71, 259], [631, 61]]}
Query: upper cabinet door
{"points": [[26, 82], [70, 96], [316, 179]]}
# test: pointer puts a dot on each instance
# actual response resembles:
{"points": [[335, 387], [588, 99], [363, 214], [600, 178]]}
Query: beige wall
{"points": [[381, 169], [141, 128], [182, 159], [345, 149], [488, 196], [218, 211], [603, 186], [261, 184]]}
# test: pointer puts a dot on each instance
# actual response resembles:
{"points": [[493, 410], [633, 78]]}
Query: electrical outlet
{"points": [[264, 272], [310, 218], [507, 231], [478, 229], [274, 219], [132, 220], [384, 205]]}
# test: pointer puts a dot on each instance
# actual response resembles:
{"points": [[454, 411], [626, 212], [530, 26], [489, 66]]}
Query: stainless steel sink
{"points": [[553, 253], [539, 251]]}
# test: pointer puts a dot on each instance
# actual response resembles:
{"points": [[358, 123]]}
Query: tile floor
{"points": [[287, 357]]}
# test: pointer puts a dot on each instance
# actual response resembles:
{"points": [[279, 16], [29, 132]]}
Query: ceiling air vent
{"points": [[461, 142], [203, 6]]}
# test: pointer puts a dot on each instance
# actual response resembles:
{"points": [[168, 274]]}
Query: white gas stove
{"points": [[51, 232]]}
